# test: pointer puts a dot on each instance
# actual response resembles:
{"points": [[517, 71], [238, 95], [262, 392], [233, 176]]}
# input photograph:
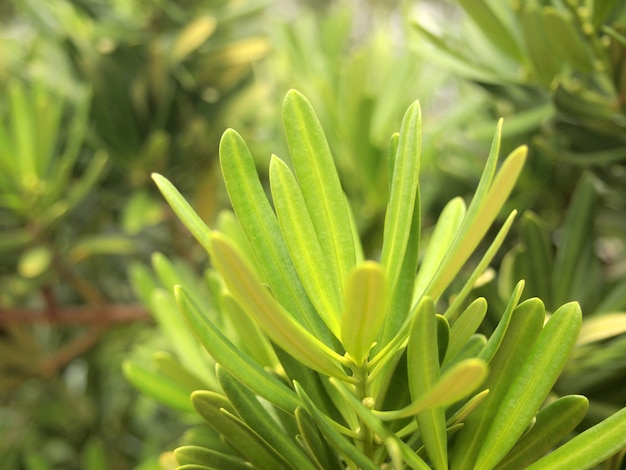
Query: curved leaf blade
{"points": [[526, 393], [316, 272], [232, 359], [319, 181], [281, 327]]}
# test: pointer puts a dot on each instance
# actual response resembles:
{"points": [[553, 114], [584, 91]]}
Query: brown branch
{"points": [[52, 365], [87, 314]]}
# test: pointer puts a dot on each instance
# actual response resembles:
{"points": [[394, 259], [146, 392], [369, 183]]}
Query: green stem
{"points": [[362, 392]]}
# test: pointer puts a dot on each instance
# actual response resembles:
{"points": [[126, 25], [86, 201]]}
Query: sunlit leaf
{"points": [[314, 267], [364, 309], [534, 380], [232, 359], [319, 181], [269, 314], [423, 371]]}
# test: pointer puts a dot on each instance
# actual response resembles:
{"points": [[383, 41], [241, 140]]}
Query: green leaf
{"points": [[251, 339], [495, 340], [320, 278], [554, 424], [486, 204], [319, 181], [196, 455], [252, 412], [590, 447], [333, 436], [544, 362], [576, 236], [545, 63], [443, 235], [281, 327], [177, 373], [34, 262], [374, 423], [172, 323], [537, 258], [491, 21], [314, 442], [77, 192], [158, 386], [461, 296], [565, 41], [465, 326], [455, 384], [192, 36], [183, 210], [600, 327], [22, 117], [459, 416], [505, 361], [401, 298], [364, 309], [262, 230], [237, 433], [403, 195], [452, 57], [232, 359], [423, 371]]}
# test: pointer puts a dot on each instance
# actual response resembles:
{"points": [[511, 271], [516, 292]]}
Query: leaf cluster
{"points": [[357, 369]]}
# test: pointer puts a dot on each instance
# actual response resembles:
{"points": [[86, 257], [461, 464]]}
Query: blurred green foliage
{"points": [[96, 96], [555, 70]]}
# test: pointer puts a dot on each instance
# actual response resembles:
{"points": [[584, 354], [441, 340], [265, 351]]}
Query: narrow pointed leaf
{"points": [[172, 323], [445, 231], [465, 326], [589, 448], [576, 234], [478, 221], [423, 371], [263, 233], [364, 309], [496, 338], [313, 265], [177, 373], [553, 425], [184, 211], [251, 339], [403, 194], [238, 434], [538, 257], [492, 23], [232, 359], [459, 416], [523, 327], [315, 442], [455, 384], [319, 181], [376, 425], [401, 298], [333, 436], [252, 412], [157, 386], [461, 296], [269, 314], [536, 377], [196, 455]]}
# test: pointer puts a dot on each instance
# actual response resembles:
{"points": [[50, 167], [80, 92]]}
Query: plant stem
{"points": [[362, 392]]}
